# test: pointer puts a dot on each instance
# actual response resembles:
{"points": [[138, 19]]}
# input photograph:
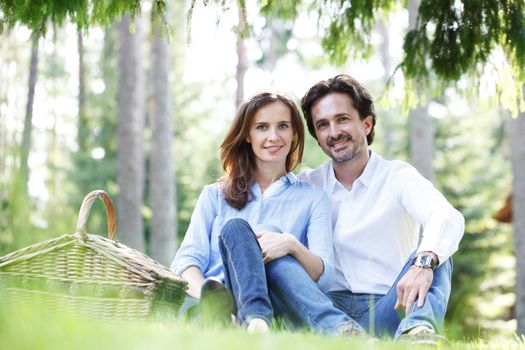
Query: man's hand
{"points": [[414, 284], [274, 245]]}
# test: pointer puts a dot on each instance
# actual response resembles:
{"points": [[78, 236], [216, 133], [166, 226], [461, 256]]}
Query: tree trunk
{"points": [[28, 122], [83, 131], [162, 177], [517, 130], [130, 149], [386, 60], [421, 128], [241, 58]]}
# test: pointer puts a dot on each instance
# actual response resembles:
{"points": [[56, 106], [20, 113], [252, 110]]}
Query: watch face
{"points": [[424, 261]]}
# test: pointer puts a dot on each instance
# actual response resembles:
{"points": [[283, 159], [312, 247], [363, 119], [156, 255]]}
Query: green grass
{"points": [[27, 329]]}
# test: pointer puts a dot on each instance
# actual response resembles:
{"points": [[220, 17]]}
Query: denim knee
{"points": [[237, 233], [235, 227]]}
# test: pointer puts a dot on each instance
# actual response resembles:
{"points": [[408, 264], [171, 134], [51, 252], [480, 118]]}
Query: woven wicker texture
{"points": [[90, 275]]}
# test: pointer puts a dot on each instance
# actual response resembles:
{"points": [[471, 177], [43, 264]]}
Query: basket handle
{"points": [[85, 209]]}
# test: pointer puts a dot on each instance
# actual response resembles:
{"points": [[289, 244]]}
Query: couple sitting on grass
{"points": [[334, 249]]}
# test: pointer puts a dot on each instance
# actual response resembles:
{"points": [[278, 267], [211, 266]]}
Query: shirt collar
{"points": [[365, 178], [289, 178], [368, 172]]}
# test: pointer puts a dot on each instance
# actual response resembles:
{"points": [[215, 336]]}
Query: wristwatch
{"points": [[424, 261]]}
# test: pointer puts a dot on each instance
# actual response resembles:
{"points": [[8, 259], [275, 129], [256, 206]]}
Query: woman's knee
{"points": [[235, 229]]}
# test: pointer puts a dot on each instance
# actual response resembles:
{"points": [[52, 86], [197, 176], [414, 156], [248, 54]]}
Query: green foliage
{"points": [[350, 28], [37, 14], [455, 39], [483, 278], [285, 9], [30, 328]]}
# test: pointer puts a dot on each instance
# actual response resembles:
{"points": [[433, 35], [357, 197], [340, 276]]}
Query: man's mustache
{"points": [[347, 137]]}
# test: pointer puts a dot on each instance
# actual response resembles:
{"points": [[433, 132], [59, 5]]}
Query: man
{"points": [[378, 207]]}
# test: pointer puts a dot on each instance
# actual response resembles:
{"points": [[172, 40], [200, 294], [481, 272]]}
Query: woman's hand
{"points": [[275, 245]]}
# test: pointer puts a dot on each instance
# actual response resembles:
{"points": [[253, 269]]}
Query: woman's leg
{"points": [[244, 271], [297, 297]]}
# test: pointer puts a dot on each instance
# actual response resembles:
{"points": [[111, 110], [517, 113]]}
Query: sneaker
{"points": [[423, 335], [257, 325], [353, 330], [216, 304]]}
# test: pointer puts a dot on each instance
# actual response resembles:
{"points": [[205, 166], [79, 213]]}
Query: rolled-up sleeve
{"points": [[320, 239], [195, 248]]}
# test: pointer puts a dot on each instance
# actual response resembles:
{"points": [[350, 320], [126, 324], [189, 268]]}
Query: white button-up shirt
{"points": [[376, 224]]}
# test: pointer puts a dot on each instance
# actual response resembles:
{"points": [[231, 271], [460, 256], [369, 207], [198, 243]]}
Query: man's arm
{"points": [[442, 230], [415, 284]]}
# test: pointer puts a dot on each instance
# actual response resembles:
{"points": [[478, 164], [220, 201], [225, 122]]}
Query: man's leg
{"points": [[244, 271], [297, 297], [385, 320]]}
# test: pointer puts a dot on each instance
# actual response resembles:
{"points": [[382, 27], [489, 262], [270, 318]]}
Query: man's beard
{"points": [[348, 154]]}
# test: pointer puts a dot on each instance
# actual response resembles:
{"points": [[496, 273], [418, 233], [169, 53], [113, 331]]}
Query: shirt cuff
{"points": [[180, 266], [327, 277]]}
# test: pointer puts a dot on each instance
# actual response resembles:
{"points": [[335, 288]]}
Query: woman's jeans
{"points": [[282, 285], [244, 271]]}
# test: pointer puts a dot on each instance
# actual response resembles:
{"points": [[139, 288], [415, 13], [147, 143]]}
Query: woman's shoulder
{"points": [[212, 190], [308, 188]]}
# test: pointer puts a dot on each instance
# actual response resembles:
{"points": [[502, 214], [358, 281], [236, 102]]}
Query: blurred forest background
{"points": [[142, 117]]}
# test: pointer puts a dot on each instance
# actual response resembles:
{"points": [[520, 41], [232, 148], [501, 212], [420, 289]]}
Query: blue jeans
{"points": [[376, 313], [282, 285], [244, 271]]}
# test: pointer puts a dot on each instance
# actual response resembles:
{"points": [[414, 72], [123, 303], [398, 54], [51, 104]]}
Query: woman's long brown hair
{"points": [[237, 157]]}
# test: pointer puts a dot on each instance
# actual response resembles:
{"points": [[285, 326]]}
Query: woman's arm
{"points": [[195, 248], [195, 278], [275, 245]]}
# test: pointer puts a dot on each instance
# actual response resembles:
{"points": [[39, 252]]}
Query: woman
{"points": [[258, 214]]}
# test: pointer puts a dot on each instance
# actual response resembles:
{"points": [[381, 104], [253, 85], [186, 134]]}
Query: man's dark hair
{"points": [[361, 100]]}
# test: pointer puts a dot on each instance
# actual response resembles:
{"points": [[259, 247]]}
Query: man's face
{"points": [[340, 132]]}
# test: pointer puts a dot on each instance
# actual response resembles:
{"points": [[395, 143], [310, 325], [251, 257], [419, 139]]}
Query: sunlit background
{"points": [[470, 157]]}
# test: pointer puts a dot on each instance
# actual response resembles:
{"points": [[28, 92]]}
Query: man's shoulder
{"points": [[315, 176], [397, 173], [394, 166]]}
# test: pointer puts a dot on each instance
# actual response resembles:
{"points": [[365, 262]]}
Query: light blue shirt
{"points": [[289, 205]]}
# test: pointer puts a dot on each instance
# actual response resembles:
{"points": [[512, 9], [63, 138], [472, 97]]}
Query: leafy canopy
{"points": [[452, 38], [38, 14]]}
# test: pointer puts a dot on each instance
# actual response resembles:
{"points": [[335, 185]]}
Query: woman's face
{"points": [[271, 134]]}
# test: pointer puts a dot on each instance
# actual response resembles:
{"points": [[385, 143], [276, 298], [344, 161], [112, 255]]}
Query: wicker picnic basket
{"points": [[90, 275]]}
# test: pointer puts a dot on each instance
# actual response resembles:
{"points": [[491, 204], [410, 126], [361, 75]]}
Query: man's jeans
{"points": [[297, 297], [376, 313]]}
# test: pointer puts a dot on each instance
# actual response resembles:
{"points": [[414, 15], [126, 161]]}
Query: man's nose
{"points": [[334, 130]]}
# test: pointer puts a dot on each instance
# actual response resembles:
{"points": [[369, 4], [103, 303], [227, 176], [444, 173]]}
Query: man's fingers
{"points": [[397, 306], [399, 301], [411, 298], [421, 298]]}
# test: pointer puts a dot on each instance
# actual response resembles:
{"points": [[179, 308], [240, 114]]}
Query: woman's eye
{"points": [[284, 126], [261, 127]]}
